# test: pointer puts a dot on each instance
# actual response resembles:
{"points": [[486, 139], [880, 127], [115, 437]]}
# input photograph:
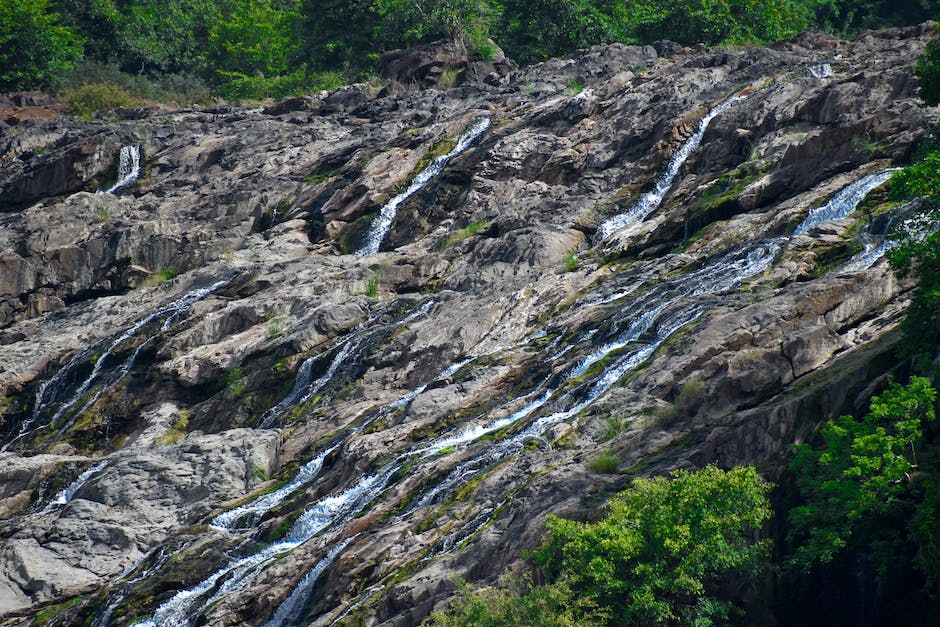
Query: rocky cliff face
{"points": [[218, 408]]}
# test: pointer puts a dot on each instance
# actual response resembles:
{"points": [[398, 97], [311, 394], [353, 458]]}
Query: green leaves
{"points": [[927, 71], [35, 49], [664, 547], [863, 467], [663, 544]]}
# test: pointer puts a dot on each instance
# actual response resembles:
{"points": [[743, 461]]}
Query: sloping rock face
{"points": [[220, 408]]}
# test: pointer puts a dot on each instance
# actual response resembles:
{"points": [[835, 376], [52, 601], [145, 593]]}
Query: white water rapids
{"points": [[845, 201]]}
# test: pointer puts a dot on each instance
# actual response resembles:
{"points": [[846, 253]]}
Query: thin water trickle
{"points": [[53, 390], [291, 609], [651, 200], [819, 70], [255, 509], [383, 222], [66, 495], [305, 388]]}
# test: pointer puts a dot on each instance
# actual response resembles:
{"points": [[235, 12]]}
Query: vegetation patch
{"points": [[461, 234], [605, 463], [177, 430]]}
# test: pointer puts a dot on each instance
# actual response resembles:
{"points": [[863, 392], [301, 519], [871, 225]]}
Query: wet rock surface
{"points": [[209, 329]]}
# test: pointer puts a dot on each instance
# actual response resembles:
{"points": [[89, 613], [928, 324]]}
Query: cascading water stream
{"points": [[660, 309], [913, 229], [651, 200], [51, 391], [66, 495], [655, 316], [326, 513], [845, 201], [722, 274], [255, 509], [383, 222], [819, 70], [289, 612], [128, 168], [305, 388]]}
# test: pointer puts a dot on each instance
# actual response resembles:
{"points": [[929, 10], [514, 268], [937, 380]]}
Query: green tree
{"points": [[164, 35], [330, 41], [35, 49], [919, 254], [97, 21], [418, 21], [927, 71], [535, 30], [862, 470], [665, 547], [720, 21], [254, 46]]}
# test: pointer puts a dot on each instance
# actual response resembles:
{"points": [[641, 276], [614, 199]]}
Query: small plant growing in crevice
{"points": [[612, 428], [606, 463], [687, 401], [571, 263], [275, 329], [177, 429], [461, 234], [447, 78], [234, 380], [372, 285], [160, 276]]}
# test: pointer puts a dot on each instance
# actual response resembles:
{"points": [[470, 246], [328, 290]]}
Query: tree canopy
{"points": [[659, 556]]}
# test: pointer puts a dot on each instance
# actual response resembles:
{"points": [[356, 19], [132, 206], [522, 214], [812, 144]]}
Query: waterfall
{"points": [[651, 200], [845, 200], [290, 611], [66, 495], [915, 228], [324, 513], [52, 391], [819, 70], [128, 168], [331, 511], [305, 388], [383, 222], [307, 473], [657, 315]]}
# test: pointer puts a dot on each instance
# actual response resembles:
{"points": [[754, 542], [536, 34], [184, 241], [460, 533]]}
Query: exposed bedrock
{"points": [[220, 406]]}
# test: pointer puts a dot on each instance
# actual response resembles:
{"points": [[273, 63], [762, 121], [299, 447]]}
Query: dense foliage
{"points": [[862, 470], [662, 555], [257, 48], [35, 49]]}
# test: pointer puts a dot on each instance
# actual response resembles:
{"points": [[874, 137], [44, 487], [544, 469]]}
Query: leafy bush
{"points": [[178, 89], [85, 100], [919, 254], [519, 603], [664, 543]]}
